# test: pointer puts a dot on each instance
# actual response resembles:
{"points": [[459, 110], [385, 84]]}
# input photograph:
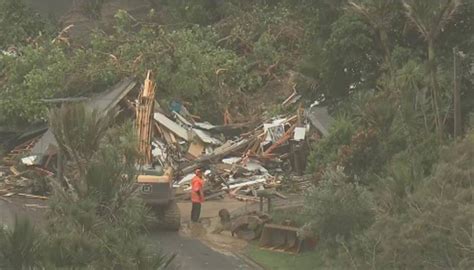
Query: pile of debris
{"points": [[248, 162], [238, 158]]}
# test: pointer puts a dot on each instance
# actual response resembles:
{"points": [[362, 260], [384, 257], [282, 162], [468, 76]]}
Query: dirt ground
{"points": [[222, 242]]}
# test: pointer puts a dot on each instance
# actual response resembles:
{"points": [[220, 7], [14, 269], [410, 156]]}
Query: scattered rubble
{"points": [[240, 159]]}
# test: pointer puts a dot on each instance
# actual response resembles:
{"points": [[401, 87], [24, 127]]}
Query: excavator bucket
{"points": [[284, 238]]}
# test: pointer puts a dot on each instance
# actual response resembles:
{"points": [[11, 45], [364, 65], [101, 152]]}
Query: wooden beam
{"points": [[281, 141]]}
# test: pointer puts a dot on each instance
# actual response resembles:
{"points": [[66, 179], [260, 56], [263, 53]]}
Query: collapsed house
{"points": [[239, 158]]}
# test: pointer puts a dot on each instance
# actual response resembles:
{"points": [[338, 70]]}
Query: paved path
{"points": [[14, 207], [6, 216], [191, 254]]}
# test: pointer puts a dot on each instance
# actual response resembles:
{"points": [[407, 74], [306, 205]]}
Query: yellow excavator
{"points": [[155, 184]]}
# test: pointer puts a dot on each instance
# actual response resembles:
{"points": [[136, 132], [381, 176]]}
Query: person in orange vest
{"points": [[197, 195]]}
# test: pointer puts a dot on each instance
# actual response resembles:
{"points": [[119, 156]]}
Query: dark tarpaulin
{"points": [[10, 139]]}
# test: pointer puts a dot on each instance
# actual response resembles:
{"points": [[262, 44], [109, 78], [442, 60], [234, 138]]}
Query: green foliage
{"points": [[339, 209], [26, 80], [295, 214], [427, 226], [436, 229], [201, 12], [79, 130], [98, 220], [356, 68], [284, 261], [363, 157], [367, 62], [18, 23], [326, 150], [91, 8], [20, 246], [203, 65], [79, 133]]}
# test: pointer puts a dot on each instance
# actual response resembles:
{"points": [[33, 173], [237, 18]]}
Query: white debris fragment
{"points": [[29, 161], [186, 179], [231, 160], [300, 134], [254, 166]]}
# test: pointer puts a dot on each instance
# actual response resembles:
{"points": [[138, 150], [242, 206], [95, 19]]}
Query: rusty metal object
{"points": [[285, 238]]}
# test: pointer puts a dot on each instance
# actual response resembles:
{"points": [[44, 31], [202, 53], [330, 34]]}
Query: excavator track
{"points": [[172, 217], [167, 217]]}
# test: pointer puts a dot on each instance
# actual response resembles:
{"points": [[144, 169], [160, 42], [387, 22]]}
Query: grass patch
{"points": [[283, 261]]}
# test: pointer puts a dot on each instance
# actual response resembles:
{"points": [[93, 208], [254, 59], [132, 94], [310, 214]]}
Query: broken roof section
{"points": [[320, 119], [102, 102], [171, 126]]}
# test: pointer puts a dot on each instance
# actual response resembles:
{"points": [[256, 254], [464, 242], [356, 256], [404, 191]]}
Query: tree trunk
{"points": [[433, 70], [386, 51], [456, 98]]}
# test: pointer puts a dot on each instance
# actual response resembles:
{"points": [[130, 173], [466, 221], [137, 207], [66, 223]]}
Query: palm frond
{"points": [[375, 12], [430, 16], [79, 129]]}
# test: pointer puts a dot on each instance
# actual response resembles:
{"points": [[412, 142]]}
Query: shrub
{"points": [[363, 157], [20, 247], [338, 209], [98, 221], [325, 151], [435, 229]]}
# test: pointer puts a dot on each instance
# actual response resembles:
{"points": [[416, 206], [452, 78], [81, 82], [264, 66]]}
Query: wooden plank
{"points": [[5, 199], [14, 171], [196, 149], [166, 136], [281, 227], [144, 114], [278, 194], [31, 196], [36, 206], [215, 195], [246, 198], [216, 155]]}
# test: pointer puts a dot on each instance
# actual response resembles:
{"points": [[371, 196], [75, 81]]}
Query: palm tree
{"points": [[377, 14], [79, 131], [430, 17]]}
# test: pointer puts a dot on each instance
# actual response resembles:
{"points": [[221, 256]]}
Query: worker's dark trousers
{"points": [[195, 212]]}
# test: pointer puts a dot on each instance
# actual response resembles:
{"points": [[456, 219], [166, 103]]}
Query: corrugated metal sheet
{"points": [[182, 119], [171, 126], [320, 119], [204, 125], [206, 137]]}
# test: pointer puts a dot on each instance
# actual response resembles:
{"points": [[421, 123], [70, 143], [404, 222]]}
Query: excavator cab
{"points": [[156, 189], [155, 186]]}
